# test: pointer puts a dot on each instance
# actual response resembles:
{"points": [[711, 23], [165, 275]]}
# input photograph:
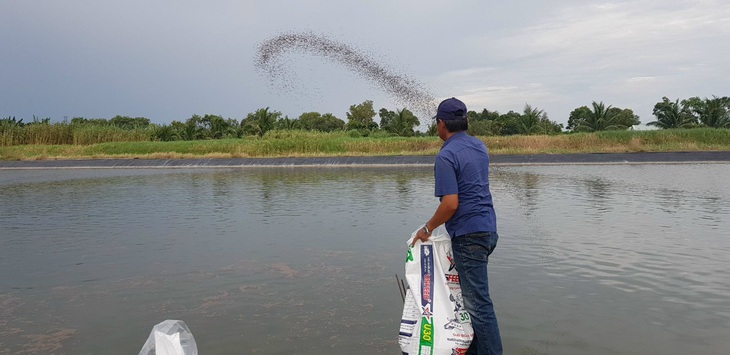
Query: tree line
{"points": [[688, 113], [692, 112]]}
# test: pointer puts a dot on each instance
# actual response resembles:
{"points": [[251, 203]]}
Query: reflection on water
{"points": [[609, 259], [634, 253]]}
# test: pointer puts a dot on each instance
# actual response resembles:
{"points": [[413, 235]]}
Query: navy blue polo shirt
{"points": [[462, 167]]}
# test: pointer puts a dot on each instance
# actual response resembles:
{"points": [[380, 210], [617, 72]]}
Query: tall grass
{"points": [[64, 133], [128, 144], [614, 141], [89, 134]]}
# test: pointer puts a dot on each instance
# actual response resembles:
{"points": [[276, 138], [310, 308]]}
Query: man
{"points": [[462, 184]]}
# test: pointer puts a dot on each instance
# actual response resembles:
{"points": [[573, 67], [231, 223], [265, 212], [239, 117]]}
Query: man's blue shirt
{"points": [[462, 167]]}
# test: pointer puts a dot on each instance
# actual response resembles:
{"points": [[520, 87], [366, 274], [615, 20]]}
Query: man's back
{"points": [[462, 167]]}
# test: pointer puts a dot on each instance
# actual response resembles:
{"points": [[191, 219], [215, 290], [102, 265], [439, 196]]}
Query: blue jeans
{"points": [[471, 256]]}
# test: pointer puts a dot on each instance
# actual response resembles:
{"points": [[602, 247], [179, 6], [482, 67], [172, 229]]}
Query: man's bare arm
{"points": [[446, 209]]}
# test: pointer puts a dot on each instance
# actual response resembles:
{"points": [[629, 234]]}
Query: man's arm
{"points": [[446, 209]]}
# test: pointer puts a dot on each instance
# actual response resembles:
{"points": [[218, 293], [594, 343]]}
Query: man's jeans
{"points": [[471, 255]]}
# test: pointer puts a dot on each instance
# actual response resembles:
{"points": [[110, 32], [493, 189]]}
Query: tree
{"points": [[599, 120], [190, 130], [534, 121], [510, 123], [164, 133], [693, 106], [386, 118], [287, 123], [216, 127], [401, 122], [713, 112], [623, 117], [309, 120], [314, 121], [549, 127], [361, 116], [331, 123], [485, 123], [670, 115], [260, 122], [473, 116], [90, 121], [127, 122], [577, 116], [235, 130], [529, 121], [484, 127], [432, 129], [482, 116]]}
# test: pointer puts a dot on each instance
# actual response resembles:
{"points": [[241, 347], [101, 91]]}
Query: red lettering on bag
{"points": [[452, 278], [427, 287]]}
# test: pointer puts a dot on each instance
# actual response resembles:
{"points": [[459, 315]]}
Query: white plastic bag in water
{"points": [[171, 337], [434, 320]]}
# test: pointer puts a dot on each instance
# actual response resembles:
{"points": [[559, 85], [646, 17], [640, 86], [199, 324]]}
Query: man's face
{"points": [[441, 129]]}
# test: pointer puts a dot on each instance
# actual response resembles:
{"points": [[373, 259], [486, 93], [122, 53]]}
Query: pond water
{"points": [[592, 259]]}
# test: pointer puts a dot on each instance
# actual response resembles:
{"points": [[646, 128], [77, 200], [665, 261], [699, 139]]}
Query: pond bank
{"points": [[412, 160]]}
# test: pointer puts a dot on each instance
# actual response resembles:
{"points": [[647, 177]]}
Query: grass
{"points": [[64, 133], [313, 144], [705, 139]]}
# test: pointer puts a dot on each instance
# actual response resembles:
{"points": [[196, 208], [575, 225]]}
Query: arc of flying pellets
{"points": [[404, 89]]}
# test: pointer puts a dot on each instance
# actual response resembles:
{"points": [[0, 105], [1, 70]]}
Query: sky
{"points": [[167, 60]]}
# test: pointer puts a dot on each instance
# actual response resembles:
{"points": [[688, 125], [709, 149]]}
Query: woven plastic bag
{"points": [[434, 320], [171, 337]]}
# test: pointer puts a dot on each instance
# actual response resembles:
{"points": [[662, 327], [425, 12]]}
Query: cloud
{"points": [[625, 53], [167, 60]]}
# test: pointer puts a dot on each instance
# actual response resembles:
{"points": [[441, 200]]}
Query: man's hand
{"points": [[420, 235]]}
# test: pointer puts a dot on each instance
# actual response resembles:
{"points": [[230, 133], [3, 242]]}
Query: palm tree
{"points": [[715, 113], [431, 129], [215, 127], [484, 127], [529, 121], [164, 133], [403, 122], [599, 120], [261, 121], [669, 115], [287, 123], [190, 132]]}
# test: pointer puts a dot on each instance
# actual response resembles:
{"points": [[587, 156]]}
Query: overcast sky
{"points": [[167, 60]]}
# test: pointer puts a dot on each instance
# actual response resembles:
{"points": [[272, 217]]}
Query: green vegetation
{"points": [[601, 118], [265, 133], [298, 143], [692, 112], [701, 139], [400, 122], [45, 133]]}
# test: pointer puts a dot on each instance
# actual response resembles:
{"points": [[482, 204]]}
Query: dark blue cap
{"points": [[451, 109]]}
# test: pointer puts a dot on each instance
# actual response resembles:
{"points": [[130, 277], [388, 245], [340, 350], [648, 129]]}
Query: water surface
{"points": [[599, 259]]}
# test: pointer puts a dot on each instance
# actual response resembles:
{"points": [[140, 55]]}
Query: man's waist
{"points": [[466, 230], [476, 235]]}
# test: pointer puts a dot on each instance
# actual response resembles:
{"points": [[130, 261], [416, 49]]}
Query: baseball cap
{"points": [[451, 109]]}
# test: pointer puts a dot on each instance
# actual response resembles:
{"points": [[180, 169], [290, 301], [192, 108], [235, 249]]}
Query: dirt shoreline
{"points": [[497, 159]]}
